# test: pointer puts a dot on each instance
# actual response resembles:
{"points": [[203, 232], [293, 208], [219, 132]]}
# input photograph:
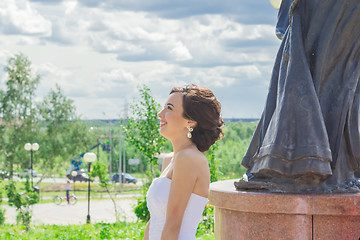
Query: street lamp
{"points": [[89, 158], [276, 3], [32, 148], [74, 174]]}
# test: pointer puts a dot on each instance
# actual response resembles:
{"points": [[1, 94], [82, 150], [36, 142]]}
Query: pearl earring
{"points": [[189, 135]]}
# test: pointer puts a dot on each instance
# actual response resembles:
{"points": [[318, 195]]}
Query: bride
{"points": [[191, 120]]}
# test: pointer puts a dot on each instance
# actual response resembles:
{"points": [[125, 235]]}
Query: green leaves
{"points": [[233, 146], [100, 169], [142, 130], [17, 110], [56, 108], [141, 210], [213, 162], [22, 201], [98, 231], [64, 136], [13, 195], [2, 216], [21, 85]]}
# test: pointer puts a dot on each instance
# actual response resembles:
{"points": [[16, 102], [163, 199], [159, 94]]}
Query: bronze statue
{"points": [[307, 139]]}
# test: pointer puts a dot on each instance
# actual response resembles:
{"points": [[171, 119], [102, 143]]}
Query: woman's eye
{"points": [[169, 108]]}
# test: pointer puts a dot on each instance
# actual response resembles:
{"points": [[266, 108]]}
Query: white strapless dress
{"points": [[157, 200]]}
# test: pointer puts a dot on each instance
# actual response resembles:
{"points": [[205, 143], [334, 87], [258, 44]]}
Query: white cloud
{"points": [[99, 51], [180, 52], [17, 16], [50, 71], [244, 11], [202, 40], [117, 83], [50, 75], [28, 40], [106, 44], [70, 6], [4, 56]]}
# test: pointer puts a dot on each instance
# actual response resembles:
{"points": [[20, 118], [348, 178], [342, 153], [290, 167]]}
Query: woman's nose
{"points": [[160, 114]]}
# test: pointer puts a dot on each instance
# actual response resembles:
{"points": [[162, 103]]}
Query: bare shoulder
{"points": [[190, 158], [191, 172]]}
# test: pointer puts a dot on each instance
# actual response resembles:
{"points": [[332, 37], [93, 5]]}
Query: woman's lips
{"points": [[162, 124]]}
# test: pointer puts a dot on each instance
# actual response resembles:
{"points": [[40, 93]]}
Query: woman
{"points": [[191, 121]]}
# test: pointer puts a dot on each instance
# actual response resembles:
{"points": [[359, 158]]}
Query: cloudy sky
{"points": [[100, 51]]}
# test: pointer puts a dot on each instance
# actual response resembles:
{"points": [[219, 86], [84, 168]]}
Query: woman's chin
{"points": [[161, 131]]}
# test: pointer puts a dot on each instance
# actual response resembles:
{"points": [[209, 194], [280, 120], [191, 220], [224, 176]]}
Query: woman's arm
{"points": [[166, 161], [146, 233], [183, 182]]}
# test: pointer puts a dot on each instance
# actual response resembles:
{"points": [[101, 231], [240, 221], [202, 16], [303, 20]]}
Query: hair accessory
{"points": [[189, 135]]}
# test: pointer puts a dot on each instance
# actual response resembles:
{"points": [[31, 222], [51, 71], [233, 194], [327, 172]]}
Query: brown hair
{"points": [[201, 106]]}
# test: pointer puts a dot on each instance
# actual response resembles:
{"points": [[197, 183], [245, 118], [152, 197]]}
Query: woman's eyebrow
{"points": [[170, 104]]}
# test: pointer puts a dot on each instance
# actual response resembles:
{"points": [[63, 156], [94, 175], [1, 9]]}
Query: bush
{"points": [[2, 211], [206, 225], [2, 216], [141, 210], [22, 201]]}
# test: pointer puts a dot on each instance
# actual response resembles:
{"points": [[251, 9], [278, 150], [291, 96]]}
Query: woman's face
{"points": [[172, 123]]}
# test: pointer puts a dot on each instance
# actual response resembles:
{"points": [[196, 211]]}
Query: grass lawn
{"points": [[120, 230]]}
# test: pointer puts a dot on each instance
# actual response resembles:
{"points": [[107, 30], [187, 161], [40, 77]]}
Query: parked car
{"points": [[29, 172], [128, 178], [81, 176]]}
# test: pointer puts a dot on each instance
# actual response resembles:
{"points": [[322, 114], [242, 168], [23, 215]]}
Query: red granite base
{"points": [[251, 215]]}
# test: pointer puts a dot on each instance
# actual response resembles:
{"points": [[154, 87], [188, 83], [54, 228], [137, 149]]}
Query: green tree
{"points": [[232, 148], [2, 211], [22, 201], [100, 170], [17, 112], [142, 131], [64, 134]]}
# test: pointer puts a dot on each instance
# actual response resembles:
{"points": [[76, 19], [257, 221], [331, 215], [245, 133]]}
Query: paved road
{"points": [[64, 214]]}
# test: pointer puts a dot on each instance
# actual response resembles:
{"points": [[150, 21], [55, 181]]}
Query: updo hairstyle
{"points": [[201, 106]]}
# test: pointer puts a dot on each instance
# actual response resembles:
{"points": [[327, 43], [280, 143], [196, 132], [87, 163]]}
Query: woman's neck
{"points": [[181, 144]]}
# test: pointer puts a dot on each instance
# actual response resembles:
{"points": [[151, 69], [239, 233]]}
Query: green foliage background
{"points": [[142, 131], [232, 148]]}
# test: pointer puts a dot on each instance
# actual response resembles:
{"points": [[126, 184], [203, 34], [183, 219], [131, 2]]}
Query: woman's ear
{"points": [[192, 123]]}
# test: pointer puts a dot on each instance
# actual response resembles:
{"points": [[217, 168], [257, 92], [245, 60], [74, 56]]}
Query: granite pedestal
{"points": [[255, 215]]}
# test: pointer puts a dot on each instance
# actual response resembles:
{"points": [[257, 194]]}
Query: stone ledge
{"points": [[256, 215], [223, 194]]}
